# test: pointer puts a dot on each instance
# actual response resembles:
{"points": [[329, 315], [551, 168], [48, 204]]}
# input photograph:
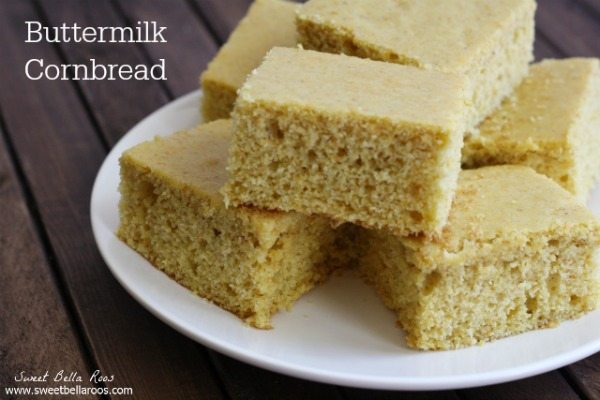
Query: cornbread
{"points": [[320, 133], [517, 254], [268, 23], [489, 42], [248, 261], [551, 123]]}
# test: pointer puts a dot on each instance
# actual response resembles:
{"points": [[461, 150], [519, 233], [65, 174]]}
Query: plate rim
{"points": [[447, 382]]}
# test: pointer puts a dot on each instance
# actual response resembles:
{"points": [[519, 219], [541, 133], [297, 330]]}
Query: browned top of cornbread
{"points": [[429, 33], [268, 23], [339, 84], [510, 203], [546, 104], [195, 160], [196, 157]]}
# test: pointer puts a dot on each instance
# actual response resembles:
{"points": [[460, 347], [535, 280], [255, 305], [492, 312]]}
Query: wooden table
{"points": [[60, 308]]}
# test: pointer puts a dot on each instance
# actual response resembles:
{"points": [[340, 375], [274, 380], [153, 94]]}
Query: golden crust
{"points": [[491, 43], [341, 144], [267, 24], [249, 261], [550, 123], [518, 253]]}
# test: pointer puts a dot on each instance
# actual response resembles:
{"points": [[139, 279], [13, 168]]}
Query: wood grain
{"points": [[361, 394], [36, 333], [243, 381], [593, 7], [98, 104], [549, 386], [55, 128], [190, 45], [570, 27], [543, 48], [60, 152], [137, 98], [573, 28], [585, 375], [222, 16]]}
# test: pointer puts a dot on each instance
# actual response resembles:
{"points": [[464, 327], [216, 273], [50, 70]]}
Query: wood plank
{"points": [[33, 313], [570, 27], [222, 16], [593, 7], [60, 153], [574, 28], [543, 48], [361, 394], [98, 100], [549, 386], [131, 100], [585, 375], [243, 381], [190, 45], [89, 94]]}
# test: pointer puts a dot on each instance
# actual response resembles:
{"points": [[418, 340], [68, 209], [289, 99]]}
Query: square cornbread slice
{"points": [[518, 253], [357, 140], [551, 123], [248, 261], [489, 42], [267, 24]]}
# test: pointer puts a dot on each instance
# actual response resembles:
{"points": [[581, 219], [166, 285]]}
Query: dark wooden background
{"points": [[60, 308]]}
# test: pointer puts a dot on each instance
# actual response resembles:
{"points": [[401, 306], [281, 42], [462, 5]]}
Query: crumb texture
{"points": [[250, 262], [526, 263], [314, 143]]}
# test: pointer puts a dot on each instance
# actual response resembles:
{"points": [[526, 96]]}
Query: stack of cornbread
{"points": [[349, 123]]}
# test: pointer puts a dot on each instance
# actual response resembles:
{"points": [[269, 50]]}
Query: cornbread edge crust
{"points": [[250, 262], [491, 44], [551, 124], [519, 253], [268, 23], [340, 144]]}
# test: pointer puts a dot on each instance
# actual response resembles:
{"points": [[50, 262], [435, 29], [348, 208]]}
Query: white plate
{"points": [[339, 333]]}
